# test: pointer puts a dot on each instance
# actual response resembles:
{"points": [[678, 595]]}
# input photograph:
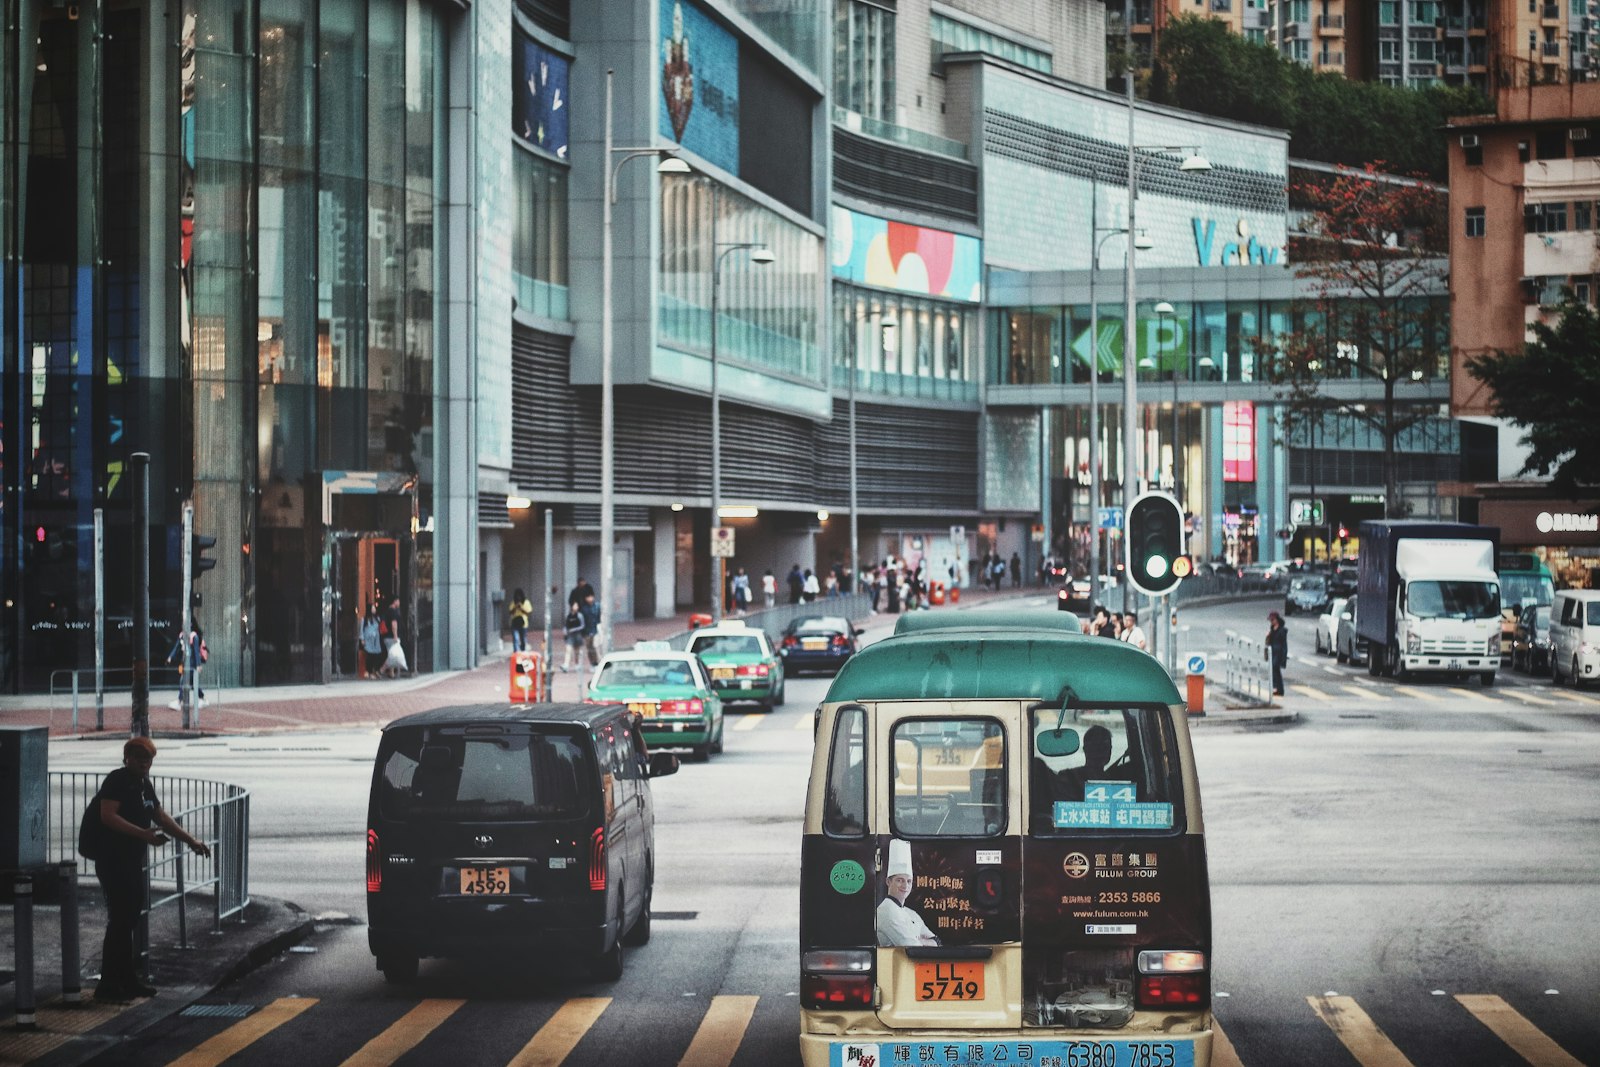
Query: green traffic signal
{"points": [[1155, 540]]}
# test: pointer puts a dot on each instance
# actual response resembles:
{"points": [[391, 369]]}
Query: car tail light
{"points": [[1063, 594], [374, 863], [692, 706], [838, 979], [1173, 979], [841, 641], [597, 859], [758, 670], [791, 641]]}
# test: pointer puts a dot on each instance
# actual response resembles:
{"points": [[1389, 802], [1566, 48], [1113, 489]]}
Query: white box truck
{"points": [[1430, 598]]}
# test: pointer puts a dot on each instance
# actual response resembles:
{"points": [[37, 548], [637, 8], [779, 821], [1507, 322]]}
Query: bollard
{"points": [[22, 905], [183, 898], [74, 701], [1196, 684], [71, 962]]}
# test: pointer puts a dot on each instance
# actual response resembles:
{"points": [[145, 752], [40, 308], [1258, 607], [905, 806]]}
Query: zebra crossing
{"points": [[1328, 684]]}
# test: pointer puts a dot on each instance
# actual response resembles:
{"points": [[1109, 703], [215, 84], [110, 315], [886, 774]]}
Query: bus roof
{"points": [[1025, 619], [993, 660]]}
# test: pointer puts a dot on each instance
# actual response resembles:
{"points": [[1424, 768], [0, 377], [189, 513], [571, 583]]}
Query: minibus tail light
{"points": [[597, 859], [837, 979], [1173, 979], [374, 863]]}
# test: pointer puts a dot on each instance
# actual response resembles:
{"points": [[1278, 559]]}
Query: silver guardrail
{"points": [[216, 813], [75, 687], [1247, 669]]}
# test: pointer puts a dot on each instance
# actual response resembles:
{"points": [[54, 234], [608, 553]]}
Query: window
{"points": [[1475, 222], [844, 808], [1522, 151], [446, 774], [1551, 144], [949, 778], [1583, 215], [1453, 599], [1389, 12], [1544, 218], [539, 234], [1388, 51], [948, 35], [1422, 51], [863, 59], [1424, 12], [1102, 769], [1472, 155]]}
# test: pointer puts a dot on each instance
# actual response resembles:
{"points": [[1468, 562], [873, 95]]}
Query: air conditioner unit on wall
{"points": [[1469, 140], [1578, 133]]}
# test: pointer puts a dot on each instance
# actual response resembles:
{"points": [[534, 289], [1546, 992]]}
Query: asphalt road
{"points": [[1401, 875]]}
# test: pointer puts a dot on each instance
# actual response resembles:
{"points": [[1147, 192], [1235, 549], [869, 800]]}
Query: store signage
{"points": [[1232, 253], [1567, 522]]}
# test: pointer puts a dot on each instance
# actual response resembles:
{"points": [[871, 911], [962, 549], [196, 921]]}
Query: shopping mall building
{"points": [[337, 267]]}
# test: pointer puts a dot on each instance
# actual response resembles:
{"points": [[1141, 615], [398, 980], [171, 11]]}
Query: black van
{"points": [[520, 826]]}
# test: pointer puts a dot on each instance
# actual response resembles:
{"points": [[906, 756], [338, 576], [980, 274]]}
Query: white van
{"points": [[1575, 636]]}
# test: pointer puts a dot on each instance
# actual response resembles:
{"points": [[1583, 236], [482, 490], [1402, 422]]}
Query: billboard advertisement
{"points": [[699, 106], [540, 106], [911, 259]]}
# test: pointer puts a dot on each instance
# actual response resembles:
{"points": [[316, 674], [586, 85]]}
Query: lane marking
{"points": [[805, 722], [1222, 1053], [557, 1038], [240, 1035], [1420, 694], [1315, 694], [404, 1035], [1357, 1032], [720, 1032], [1366, 694], [1518, 694], [1565, 695], [1509, 1025], [1473, 694], [748, 722]]}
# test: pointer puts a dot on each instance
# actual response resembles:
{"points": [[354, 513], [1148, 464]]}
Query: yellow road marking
{"points": [[1527, 1040], [720, 1032], [1357, 1032], [243, 1033], [1473, 694], [1411, 691], [558, 1037], [404, 1035], [1518, 694], [1315, 694], [1564, 695], [749, 722], [805, 722], [1364, 693], [1222, 1054]]}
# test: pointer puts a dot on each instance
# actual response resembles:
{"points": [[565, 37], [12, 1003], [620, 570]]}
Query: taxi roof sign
{"points": [[652, 646]]}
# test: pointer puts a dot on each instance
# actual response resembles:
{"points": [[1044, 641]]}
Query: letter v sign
{"points": [[1203, 239]]}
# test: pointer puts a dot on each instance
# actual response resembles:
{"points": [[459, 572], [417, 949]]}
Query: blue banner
{"points": [[540, 107], [699, 106]]}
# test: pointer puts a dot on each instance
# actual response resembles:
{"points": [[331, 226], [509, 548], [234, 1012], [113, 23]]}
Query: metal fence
{"points": [[774, 620], [74, 690], [1247, 669], [215, 813], [1210, 584]]}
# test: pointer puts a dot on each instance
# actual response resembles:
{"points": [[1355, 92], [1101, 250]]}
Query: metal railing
{"points": [[1247, 670], [75, 687], [1211, 584], [215, 813]]}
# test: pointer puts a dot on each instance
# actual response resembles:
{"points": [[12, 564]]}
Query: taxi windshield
{"points": [[728, 645], [644, 672], [1118, 774]]}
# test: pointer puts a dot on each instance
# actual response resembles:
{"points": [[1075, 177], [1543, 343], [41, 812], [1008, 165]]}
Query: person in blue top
{"points": [[590, 611]]}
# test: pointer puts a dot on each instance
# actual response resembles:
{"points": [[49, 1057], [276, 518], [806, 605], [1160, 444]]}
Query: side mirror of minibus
{"points": [[1057, 742], [663, 764]]}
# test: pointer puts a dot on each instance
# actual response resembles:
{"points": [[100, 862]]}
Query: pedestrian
{"points": [[1102, 625], [769, 589], [741, 592], [132, 819], [1277, 649], [189, 652], [1131, 631], [998, 571], [830, 587], [579, 591], [572, 635], [371, 642], [394, 660], [521, 610], [875, 587], [809, 586], [590, 610], [1016, 571], [797, 584]]}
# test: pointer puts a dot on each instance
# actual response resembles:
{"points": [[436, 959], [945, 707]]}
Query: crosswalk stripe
{"points": [[1412, 691], [720, 1032], [1365, 694], [404, 1035], [749, 722], [557, 1038], [1473, 694], [1510, 1026], [1315, 694], [1357, 1032], [1222, 1053], [243, 1033], [1575, 697], [1518, 694]]}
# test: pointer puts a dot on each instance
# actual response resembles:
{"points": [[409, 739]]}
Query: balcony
{"points": [[1580, 61], [1330, 59], [888, 131], [1552, 48], [1330, 25]]}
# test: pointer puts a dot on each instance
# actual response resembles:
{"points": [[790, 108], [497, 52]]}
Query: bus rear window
{"points": [[949, 778], [1103, 769], [456, 775]]}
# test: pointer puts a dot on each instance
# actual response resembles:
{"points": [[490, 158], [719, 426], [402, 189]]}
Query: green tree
{"points": [[1551, 391], [1372, 276]]}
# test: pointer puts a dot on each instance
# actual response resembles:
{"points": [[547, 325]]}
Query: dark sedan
{"points": [[817, 643]]}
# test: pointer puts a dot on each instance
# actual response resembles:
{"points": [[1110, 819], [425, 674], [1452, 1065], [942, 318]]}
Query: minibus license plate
{"points": [[476, 881], [950, 981]]}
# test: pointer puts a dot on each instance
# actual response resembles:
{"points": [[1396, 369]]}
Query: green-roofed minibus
{"points": [[1004, 859]]}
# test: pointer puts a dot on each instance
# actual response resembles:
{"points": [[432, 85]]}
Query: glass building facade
{"points": [[219, 249]]}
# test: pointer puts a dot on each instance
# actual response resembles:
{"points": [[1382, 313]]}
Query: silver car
{"points": [[1349, 646], [1328, 626]]}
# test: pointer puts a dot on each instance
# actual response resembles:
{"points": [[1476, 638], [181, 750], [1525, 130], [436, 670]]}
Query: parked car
{"points": [[1575, 636], [1307, 593], [1349, 646], [1344, 581], [819, 642], [1530, 641], [1328, 625]]}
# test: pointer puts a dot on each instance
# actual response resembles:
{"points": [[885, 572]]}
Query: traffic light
{"points": [[1183, 566], [1155, 541], [198, 563]]}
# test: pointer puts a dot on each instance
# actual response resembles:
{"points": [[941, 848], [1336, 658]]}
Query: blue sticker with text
{"points": [[1111, 806]]}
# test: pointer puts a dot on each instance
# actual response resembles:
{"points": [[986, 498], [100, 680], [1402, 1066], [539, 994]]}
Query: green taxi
{"points": [[671, 693], [744, 666]]}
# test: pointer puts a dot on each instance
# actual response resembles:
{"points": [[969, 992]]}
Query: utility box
{"points": [[24, 797]]}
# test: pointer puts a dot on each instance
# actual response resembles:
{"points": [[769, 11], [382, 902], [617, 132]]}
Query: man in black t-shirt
{"points": [[134, 820]]}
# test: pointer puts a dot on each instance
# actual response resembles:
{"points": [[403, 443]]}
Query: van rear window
{"points": [[454, 774], [1109, 769]]}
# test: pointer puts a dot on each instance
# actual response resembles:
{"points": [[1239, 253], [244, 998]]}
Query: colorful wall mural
{"points": [[911, 259], [540, 104], [699, 84]]}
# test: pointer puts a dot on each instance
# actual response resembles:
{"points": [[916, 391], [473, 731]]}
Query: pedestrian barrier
{"points": [[1247, 670], [76, 688], [216, 813]]}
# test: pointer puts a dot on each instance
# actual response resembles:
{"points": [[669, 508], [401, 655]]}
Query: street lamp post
{"points": [[1194, 163], [669, 164], [1165, 311], [720, 250]]}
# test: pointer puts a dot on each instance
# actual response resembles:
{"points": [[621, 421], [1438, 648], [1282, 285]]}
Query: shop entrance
{"points": [[367, 569]]}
